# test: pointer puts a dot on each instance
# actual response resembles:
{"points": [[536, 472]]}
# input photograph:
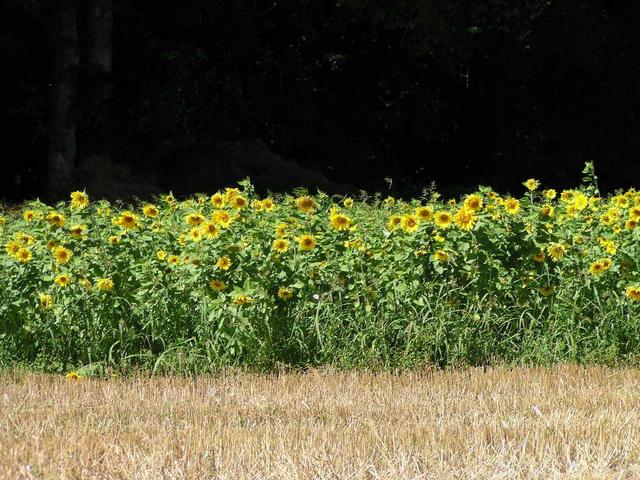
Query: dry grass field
{"points": [[562, 422]]}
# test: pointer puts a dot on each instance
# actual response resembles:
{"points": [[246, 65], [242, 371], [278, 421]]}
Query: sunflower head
{"points": [[307, 242]]}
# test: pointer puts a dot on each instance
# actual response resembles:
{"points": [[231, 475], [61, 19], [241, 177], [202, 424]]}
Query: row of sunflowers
{"points": [[301, 277]]}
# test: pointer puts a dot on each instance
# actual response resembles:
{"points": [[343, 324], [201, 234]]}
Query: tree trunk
{"points": [[62, 135], [99, 80]]}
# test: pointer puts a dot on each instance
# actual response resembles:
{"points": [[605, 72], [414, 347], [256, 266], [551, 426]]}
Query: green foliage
{"points": [[528, 280]]}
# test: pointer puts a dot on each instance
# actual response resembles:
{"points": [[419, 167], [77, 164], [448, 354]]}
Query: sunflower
{"points": [[557, 251], [46, 301], [424, 213], [12, 248], [410, 223], [547, 211], [78, 230], [580, 201], [631, 224], [634, 213], [62, 254], [285, 293], [195, 234], [79, 200], [56, 218], [127, 220], [280, 245], [441, 256], [465, 219], [473, 202], [30, 215], [306, 204], [539, 257], [347, 202], [512, 205], [73, 376], [217, 285], [307, 242], [173, 260], [23, 255], [222, 218], [394, 222], [597, 268], [239, 202], [194, 219], [242, 299], [217, 200], [531, 184], [633, 292], [210, 230], [268, 205], [223, 263], [51, 244], [63, 280], [150, 210], [340, 222], [104, 284], [231, 193], [443, 219]]}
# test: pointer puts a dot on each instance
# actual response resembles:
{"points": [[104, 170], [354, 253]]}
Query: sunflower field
{"points": [[231, 279]]}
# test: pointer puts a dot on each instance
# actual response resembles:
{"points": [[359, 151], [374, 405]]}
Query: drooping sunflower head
{"points": [[441, 256], [217, 285], [104, 284], [285, 293], [556, 251], [150, 210], [394, 222], [242, 299], [633, 293], [56, 218], [194, 219], [78, 230], [46, 301], [306, 204]]}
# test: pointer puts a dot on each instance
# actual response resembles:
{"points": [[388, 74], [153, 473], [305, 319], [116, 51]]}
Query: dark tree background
{"points": [[458, 92]]}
